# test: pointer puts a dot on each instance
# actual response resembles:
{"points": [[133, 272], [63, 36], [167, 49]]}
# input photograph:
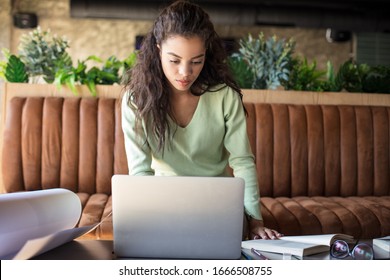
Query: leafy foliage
{"points": [[44, 54], [260, 63], [110, 73], [269, 60], [377, 80], [352, 76], [128, 63], [306, 77], [364, 78], [240, 71], [269, 63], [3, 64], [13, 70], [334, 82]]}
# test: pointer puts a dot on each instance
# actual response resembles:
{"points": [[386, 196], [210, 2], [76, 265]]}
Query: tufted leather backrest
{"points": [[73, 143], [321, 150], [308, 150]]}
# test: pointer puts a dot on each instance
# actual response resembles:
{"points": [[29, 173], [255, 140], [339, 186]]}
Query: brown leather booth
{"points": [[321, 168]]}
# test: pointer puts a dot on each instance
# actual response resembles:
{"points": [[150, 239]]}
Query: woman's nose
{"points": [[185, 70]]}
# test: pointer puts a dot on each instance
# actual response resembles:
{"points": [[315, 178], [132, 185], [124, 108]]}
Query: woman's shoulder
{"points": [[128, 100], [222, 91]]}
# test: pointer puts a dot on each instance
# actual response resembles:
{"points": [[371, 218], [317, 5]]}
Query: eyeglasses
{"points": [[361, 251]]}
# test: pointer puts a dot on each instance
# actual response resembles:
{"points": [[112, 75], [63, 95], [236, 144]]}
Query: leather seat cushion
{"points": [[362, 217]]}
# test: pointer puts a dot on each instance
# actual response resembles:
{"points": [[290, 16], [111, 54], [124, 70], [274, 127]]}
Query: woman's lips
{"points": [[183, 82]]}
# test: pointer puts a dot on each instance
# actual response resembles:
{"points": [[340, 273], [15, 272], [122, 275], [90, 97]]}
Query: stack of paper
{"points": [[34, 222], [382, 247], [383, 243]]}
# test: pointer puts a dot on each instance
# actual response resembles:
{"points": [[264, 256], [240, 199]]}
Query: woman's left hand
{"points": [[257, 230]]}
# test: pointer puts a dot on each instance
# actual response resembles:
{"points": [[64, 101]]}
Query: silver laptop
{"points": [[177, 217]]}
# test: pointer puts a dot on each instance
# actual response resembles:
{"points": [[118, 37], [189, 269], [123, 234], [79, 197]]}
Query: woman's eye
{"points": [[197, 62], [174, 61]]}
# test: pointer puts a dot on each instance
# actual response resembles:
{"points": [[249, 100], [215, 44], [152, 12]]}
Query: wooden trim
{"points": [[309, 97]]}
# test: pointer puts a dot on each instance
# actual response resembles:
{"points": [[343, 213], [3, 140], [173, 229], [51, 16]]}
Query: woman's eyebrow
{"points": [[175, 55]]}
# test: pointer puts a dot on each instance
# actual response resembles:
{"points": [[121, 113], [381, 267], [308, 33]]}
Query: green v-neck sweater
{"points": [[215, 138]]}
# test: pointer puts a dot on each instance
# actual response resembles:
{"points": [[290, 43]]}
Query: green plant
{"points": [[240, 71], [128, 63], [334, 82], [352, 76], [269, 60], [303, 76], [110, 73], [365, 78], [377, 79], [13, 70], [44, 54], [306, 77], [268, 63]]}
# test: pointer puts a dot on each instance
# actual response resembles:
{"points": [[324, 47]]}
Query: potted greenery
{"points": [[13, 70], [268, 63], [262, 63], [43, 57]]}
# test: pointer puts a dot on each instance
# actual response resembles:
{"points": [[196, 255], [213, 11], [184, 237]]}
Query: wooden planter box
{"points": [[10, 90]]}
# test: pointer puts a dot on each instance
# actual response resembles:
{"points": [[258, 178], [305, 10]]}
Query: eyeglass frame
{"points": [[350, 252]]}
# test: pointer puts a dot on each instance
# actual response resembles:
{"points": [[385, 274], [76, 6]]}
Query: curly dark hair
{"points": [[146, 82]]}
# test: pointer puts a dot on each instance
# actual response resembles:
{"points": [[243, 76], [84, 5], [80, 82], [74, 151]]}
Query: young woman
{"points": [[183, 114]]}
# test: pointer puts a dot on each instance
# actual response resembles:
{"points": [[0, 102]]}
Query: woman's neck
{"points": [[183, 107]]}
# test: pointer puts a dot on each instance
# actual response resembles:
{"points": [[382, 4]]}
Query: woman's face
{"points": [[182, 61]]}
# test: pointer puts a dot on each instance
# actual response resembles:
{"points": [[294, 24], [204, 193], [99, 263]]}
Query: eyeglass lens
{"points": [[361, 251], [340, 249]]}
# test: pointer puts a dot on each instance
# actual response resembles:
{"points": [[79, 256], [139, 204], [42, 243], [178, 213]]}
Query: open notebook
{"points": [[177, 217]]}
